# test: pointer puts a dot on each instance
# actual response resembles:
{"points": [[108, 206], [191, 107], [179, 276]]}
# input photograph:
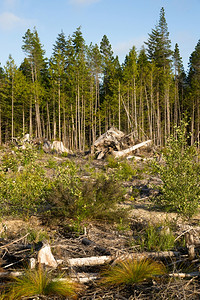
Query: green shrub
{"points": [[123, 170], [180, 174], [24, 192], [112, 162], [94, 199], [100, 198], [65, 192], [51, 163], [28, 155], [9, 161]]}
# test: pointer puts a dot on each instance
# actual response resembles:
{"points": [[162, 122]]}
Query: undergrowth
{"points": [[180, 174], [27, 189]]}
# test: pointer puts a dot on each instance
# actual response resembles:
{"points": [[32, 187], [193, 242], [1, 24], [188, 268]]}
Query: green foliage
{"points": [[100, 198], [157, 238], [96, 199], [27, 156], [37, 235], [122, 169], [131, 272], [24, 192], [180, 174], [13, 159], [9, 162], [66, 190], [51, 164], [38, 282]]}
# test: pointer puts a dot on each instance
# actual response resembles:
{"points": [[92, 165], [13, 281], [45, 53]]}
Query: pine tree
{"points": [[81, 86], [58, 67], [1, 99], [179, 85], [35, 55], [193, 80], [130, 74], [94, 61], [145, 96], [106, 93], [10, 71]]}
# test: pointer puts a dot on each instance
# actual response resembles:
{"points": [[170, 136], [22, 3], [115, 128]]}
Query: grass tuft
{"points": [[131, 271], [38, 282]]}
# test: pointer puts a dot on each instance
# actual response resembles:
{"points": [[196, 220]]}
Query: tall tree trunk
{"points": [[59, 117], [159, 142], [23, 120], [31, 119], [73, 128], [198, 120], [148, 113], [64, 129], [119, 103], [168, 110], [48, 123], [12, 129], [54, 118], [192, 125], [76, 124], [135, 105], [37, 108], [0, 128]]}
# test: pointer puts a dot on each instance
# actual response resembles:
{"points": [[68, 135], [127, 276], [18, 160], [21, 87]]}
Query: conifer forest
{"points": [[82, 90]]}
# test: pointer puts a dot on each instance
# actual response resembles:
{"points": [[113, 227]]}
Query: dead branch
{"points": [[185, 275], [16, 241]]}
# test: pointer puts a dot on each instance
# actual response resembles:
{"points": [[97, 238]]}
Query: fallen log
{"points": [[88, 261], [125, 152], [100, 260], [79, 277]]}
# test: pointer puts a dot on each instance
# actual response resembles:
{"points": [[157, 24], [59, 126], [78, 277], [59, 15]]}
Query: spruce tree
{"points": [[159, 44], [159, 53]]}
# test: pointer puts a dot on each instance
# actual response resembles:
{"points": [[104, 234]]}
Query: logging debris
{"points": [[116, 143]]}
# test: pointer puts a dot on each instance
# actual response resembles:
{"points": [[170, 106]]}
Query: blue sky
{"points": [[125, 22]]}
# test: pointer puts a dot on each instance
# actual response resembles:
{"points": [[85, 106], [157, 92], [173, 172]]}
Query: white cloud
{"points": [[82, 2], [9, 21]]}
